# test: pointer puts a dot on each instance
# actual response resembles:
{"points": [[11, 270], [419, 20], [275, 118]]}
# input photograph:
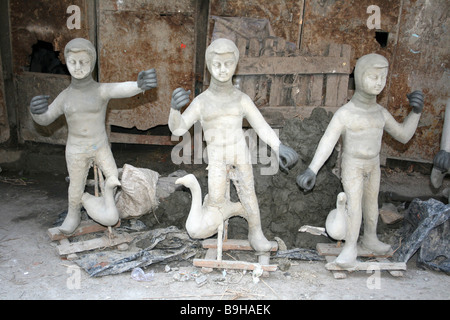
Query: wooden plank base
{"points": [[69, 249], [210, 262], [234, 244], [85, 227], [229, 264], [330, 251]]}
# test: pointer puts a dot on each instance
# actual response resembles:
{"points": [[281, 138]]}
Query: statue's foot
{"points": [[375, 245], [347, 258], [258, 241], [71, 222]]}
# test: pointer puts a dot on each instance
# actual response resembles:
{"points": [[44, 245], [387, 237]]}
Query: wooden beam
{"points": [[141, 139], [330, 249], [366, 266], [80, 246], [266, 65], [234, 244], [86, 226], [228, 264]]}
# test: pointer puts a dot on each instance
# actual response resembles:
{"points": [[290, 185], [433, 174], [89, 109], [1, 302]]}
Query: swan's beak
{"points": [[179, 181]]}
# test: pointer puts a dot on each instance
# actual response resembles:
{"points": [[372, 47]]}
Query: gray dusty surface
{"points": [[31, 269]]}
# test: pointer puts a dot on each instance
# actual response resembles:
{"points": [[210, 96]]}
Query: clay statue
{"points": [[441, 161], [84, 105], [360, 123], [221, 110]]}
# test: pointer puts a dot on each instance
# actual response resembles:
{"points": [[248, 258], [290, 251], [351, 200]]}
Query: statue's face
{"points": [[79, 64], [374, 80], [222, 66]]}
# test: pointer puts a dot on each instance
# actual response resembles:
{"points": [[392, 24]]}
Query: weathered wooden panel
{"points": [[417, 50], [4, 123], [285, 84], [31, 84], [47, 21], [422, 61], [285, 16], [139, 35], [43, 20], [292, 65]]}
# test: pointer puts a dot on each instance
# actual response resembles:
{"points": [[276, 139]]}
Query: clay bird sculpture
{"points": [[204, 220], [336, 223], [103, 209]]}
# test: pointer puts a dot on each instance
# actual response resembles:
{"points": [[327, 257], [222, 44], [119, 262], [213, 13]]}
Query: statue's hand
{"points": [[288, 157], [180, 98], [39, 104], [442, 160], [147, 80], [307, 179], [416, 99]]}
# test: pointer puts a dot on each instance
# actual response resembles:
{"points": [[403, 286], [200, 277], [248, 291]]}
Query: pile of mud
{"points": [[284, 206]]}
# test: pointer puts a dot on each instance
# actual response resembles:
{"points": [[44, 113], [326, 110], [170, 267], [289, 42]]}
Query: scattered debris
{"points": [[300, 254], [139, 275], [389, 214], [317, 231], [427, 229], [164, 244]]}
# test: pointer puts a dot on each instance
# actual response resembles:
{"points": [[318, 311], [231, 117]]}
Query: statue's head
{"points": [[370, 73], [222, 57], [80, 57]]}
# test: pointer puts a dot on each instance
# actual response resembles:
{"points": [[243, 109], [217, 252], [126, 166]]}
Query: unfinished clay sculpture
{"points": [[221, 110], [360, 123], [84, 105], [337, 219], [103, 208]]}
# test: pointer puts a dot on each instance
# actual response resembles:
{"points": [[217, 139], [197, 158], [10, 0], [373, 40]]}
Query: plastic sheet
{"points": [[427, 228]]}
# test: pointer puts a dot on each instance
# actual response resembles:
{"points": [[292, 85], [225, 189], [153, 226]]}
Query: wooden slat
{"points": [[85, 227], [330, 249], [292, 65], [365, 266], [141, 139], [80, 246], [234, 244], [228, 264], [276, 88], [249, 86], [316, 88]]}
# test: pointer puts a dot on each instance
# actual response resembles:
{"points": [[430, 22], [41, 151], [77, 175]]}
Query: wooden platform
{"points": [[210, 261], [69, 249], [331, 251]]}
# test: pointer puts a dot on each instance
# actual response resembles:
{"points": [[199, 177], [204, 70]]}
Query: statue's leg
{"points": [[352, 181], [371, 213], [244, 184], [78, 168], [105, 160]]}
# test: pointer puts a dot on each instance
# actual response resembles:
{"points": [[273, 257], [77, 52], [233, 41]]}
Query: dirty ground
{"points": [[30, 268], [34, 196]]}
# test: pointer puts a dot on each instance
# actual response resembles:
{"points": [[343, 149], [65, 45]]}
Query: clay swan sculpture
{"points": [[336, 223], [204, 220], [103, 209]]}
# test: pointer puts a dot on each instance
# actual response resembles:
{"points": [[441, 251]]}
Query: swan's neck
{"points": [[196, 205], [109, 197]]}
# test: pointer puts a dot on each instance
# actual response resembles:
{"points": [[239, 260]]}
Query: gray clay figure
{"points": [[84, 105], [221, 110], [360, 123]]}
